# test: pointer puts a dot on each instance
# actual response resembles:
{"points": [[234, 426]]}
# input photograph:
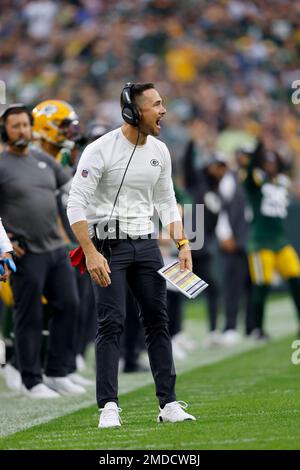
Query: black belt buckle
{"points": [[147, 236], [111, 231], [108, 230]]}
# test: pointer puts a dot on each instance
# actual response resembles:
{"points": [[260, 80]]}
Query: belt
{"points": [[114, 233], [148, 236], [126, 237]]}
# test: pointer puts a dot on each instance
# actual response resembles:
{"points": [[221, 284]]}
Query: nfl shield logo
{"points": [[84, 173]]}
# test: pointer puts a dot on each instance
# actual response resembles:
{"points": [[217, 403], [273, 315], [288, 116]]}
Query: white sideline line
{"points": [[18, 412]]}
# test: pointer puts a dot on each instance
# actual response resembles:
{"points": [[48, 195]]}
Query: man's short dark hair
{"points": [[17, 108], [137, 90]]}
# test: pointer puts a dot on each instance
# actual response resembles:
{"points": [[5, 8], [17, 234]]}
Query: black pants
{"points": [[50, 274], [132, 341], [202, 266], [175, 311], [86, 313], [135, 262], [237, 287]]}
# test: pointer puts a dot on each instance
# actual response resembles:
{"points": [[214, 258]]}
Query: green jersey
{"points": [[269, 200]]}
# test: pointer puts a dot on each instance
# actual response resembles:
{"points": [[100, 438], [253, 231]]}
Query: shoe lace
{"points": [[110, 413], [183, 405], [178, 407]]}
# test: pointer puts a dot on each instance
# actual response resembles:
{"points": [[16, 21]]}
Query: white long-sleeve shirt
{"points": [[5, 244], [147, 184]]}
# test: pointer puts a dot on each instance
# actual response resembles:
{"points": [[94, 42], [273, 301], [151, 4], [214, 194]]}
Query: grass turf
{"points": [[246, 402]]}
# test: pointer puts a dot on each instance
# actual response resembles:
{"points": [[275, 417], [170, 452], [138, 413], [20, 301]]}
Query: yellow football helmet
{"points": [[56, 122]]}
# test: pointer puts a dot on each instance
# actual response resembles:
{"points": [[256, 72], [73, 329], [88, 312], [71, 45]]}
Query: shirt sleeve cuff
{"points": [[169, 215], [6, 247], [75, 215]]}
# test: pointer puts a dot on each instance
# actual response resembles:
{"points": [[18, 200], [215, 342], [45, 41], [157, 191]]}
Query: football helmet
{"points": [[56, 122]]}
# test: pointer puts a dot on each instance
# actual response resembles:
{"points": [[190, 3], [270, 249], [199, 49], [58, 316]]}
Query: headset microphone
{"points": [[20, 143]]}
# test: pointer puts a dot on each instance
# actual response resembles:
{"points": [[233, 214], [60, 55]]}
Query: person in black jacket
{"points": [[232, 230], [203, 187]]}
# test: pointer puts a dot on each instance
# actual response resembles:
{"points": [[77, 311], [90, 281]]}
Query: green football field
{"points": [[245, 397]]}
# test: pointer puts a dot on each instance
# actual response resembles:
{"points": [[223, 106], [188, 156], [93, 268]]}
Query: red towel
{"points": [[78, 259]]}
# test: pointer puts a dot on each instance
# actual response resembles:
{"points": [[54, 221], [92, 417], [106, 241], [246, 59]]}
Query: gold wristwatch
{"points": [[182, 242]]}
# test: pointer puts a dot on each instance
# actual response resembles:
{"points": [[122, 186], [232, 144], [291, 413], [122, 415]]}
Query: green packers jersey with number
{"points": [[269, 200]]}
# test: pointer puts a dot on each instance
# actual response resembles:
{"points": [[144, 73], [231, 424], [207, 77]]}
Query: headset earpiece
{"points": [[130, 113], [3, 133], [4, 115]]}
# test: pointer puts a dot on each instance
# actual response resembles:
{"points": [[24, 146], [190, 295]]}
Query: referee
{"points": [[122, 176]]}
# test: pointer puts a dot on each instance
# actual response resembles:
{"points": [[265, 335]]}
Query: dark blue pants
{"points": [[50, 274], [134, 262]]}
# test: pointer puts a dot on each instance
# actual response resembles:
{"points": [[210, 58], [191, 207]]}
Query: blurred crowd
{"points": [[224, 68]]}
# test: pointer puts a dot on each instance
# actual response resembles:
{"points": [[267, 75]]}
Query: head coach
{"points": [[130, 166]]}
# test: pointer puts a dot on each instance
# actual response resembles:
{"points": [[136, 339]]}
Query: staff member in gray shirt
{"points": [[28, 181]]}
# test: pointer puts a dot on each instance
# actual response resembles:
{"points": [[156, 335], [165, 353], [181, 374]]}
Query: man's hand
{"points": [[185, 258], [98, 268], [19, 252], [96, 264], [229, 245], [7, 271]]}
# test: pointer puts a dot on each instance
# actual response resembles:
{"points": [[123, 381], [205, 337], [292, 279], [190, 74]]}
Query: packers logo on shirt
{"points": [[154, 162]]}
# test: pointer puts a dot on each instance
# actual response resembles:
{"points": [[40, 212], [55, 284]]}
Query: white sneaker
{"points": [[174, 412], [184, 341], [230, 338], [109, 417], [12, 377], [80, 363], [77, 379], [39, 391], [179, 353], [63, 386], [213, 339]]}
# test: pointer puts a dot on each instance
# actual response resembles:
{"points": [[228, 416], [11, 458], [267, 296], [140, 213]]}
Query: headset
{"points": [[130, 112], [5, 114]]}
